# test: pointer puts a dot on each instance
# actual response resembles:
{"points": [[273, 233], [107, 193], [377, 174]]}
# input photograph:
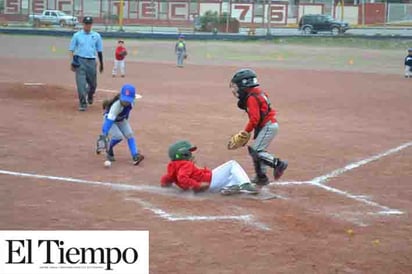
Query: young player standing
{"points": [[180, 51], [408, 64], [119, 59], [262, 120]]}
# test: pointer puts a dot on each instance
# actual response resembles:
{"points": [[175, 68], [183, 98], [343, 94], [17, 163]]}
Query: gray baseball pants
{"points": [[86, 80], [263, 140]]}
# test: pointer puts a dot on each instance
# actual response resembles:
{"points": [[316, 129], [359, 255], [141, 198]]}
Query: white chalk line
{"points": [[248, 219], [137, 96], [321, 180], [339, 171], [33, 84], [174, 192]]}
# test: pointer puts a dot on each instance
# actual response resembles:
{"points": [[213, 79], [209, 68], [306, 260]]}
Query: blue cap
{"points": [[181, 36], [409, 49], [127, 93]]}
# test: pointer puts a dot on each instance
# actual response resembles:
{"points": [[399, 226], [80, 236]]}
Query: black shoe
{"points": [[110, 155], [279, 169], [82, 108], [260, 180], [137, 159], [90, 99]]}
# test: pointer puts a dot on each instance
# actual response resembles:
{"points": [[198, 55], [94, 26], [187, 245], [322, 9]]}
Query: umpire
{"points": [[83, 47]]}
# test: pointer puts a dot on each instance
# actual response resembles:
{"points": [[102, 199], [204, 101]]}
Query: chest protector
{"points": [[264, 107]]}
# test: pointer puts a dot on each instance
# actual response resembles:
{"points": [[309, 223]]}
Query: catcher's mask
{"points": [[181, 150], [244, 78]]}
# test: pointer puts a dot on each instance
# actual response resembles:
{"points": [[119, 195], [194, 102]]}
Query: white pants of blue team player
{"points": [[228, 174]]}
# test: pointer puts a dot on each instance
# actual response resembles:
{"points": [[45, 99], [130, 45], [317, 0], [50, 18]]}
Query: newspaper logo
{"points": [[74, 252]]}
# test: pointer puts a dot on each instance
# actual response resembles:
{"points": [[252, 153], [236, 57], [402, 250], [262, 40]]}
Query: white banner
{"points": [[74, 252]]}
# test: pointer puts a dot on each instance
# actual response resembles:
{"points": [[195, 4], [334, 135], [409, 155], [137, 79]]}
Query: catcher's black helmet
{"points": [[245, 78], [181, 150]]}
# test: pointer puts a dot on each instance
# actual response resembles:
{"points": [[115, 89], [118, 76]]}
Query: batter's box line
{"points": [[322, 180], [247, 219]]}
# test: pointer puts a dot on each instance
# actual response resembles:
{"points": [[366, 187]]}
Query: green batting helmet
{"points": [[181, 150]]}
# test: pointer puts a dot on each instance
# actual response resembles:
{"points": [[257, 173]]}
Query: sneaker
{"points": [[137, 159], [248, 188], [230, 190], [280, 168], [260, 180]]}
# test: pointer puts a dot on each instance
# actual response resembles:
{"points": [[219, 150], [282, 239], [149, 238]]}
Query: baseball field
{"points": [[343, 205]]}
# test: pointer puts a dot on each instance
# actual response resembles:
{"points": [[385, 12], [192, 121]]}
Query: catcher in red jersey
{"points": [[262, 120]]}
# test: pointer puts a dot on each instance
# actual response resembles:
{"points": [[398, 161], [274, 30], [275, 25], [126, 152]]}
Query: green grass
{"points": [[366, 43]]}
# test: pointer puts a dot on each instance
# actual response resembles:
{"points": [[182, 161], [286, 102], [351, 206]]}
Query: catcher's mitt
{"points": [[123, 53], [238, 140], [185, 56], [102, 144]]}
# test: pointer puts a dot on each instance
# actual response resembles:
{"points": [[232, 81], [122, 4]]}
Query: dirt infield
{"points": [[352, 128]]}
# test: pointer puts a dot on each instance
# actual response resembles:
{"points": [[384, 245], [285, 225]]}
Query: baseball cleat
{"points": [[230, 190], [280, 169], [137, 159], [110, 156], [260, 180], [248, 188]]}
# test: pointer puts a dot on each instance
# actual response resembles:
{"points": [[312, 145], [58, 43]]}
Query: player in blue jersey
{"points": [[116, 123]]}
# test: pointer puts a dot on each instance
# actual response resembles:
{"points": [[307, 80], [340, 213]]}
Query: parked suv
{"points": [[315, 23]]}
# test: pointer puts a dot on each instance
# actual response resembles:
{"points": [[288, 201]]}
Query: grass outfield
{"points": [[351, 42]]}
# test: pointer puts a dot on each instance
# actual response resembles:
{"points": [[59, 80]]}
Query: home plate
{"points": [[264, 194]]}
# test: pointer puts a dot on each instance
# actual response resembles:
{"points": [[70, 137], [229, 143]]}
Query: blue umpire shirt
{"points": [[86, 44]]}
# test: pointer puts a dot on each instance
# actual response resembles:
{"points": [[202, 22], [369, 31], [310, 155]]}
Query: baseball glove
{"points": [[102, 144], [185, 56], [75, 62], [123, 53], [238, 140]]}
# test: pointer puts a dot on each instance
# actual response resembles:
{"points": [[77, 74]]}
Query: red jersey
{"points": [[118, 55], [186, 175], [256, 105]]}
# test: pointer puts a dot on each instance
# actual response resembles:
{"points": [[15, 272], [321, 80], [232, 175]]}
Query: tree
{"points": [[211, 21], [1, 6]]}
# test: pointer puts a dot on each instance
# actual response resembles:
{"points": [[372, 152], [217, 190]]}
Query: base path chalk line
{"points": [[33, 84], [248, 219], [321, 180], [116, 186], [137, 96]]}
